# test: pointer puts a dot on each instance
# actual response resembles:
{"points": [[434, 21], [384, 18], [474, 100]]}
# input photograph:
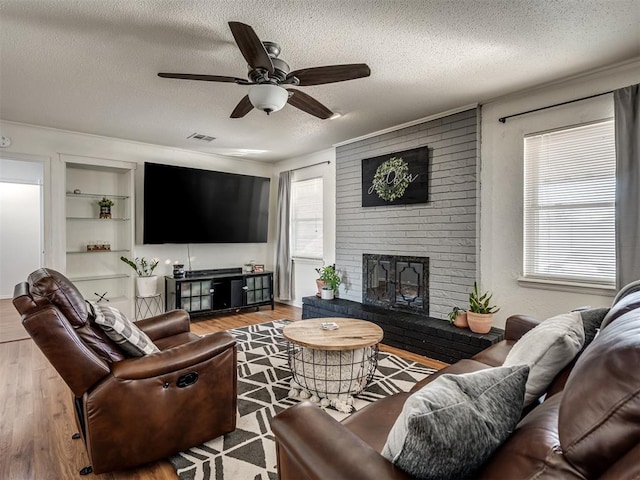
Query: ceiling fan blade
{"points": [[205, 78], [330, 74], [251, 47], [308, 104], [243, 107]]}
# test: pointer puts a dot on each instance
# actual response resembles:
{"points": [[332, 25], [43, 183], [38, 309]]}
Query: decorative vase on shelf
{"points": [[147, 286], [105, 212], [105, 207], [320, 284]]}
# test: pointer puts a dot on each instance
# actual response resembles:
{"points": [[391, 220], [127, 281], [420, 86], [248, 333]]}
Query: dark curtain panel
{"points": [[627, 126], [283, 254]]}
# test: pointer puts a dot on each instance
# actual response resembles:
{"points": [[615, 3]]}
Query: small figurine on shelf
{"points": [[105, 207]]}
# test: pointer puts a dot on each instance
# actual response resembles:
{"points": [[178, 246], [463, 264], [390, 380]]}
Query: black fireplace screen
{"points": [[396, 282]]}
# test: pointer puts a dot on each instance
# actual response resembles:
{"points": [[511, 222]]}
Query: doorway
{"points": [[21, 221]]}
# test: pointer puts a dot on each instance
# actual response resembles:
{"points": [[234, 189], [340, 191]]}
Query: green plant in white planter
{"points": [[331, 281], [146, 281]]}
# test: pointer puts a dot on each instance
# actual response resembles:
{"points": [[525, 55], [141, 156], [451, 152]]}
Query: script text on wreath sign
{"points": [[393, 179]]}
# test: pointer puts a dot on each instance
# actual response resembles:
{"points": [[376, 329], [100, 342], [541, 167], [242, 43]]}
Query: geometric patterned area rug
{"points": [[249, 452]]}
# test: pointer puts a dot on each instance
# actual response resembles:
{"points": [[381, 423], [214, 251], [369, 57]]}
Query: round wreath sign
{"points": [[391, 179]]}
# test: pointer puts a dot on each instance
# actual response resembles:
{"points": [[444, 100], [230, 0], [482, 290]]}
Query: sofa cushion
{"points": [[591, 320], [625, 303], [547, 349], [122, 331], [449, 428], [532, 450]]}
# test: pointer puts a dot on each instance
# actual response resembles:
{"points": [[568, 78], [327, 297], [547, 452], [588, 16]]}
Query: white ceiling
{"points": [[91, 65]]}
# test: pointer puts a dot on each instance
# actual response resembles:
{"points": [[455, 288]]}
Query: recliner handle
{"points": [[187, 379]]}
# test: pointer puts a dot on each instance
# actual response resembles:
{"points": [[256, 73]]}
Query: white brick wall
{"points": [[444, 229]]}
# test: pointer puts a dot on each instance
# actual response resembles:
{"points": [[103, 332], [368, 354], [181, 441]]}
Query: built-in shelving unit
{"points": [[94, 245]]}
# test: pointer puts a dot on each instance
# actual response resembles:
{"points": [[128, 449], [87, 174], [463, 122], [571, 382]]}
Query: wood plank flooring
{"points": [[36, 408], [10, 327]]}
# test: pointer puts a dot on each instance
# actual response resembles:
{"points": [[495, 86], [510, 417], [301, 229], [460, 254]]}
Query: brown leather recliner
{"points": [[132, 411]]}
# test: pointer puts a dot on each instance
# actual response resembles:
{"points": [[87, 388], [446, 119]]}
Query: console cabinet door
{"points": [[259, 288], [196, 295]]}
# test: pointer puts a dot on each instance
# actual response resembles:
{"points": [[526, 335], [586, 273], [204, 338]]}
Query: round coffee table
{"points": [[332, 365]]}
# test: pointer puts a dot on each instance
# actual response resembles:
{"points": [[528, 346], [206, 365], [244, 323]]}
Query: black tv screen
{"points": [[188, 205]]}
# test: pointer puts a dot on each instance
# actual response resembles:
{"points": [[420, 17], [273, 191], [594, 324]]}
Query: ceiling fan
{"points": [[267, 74]]}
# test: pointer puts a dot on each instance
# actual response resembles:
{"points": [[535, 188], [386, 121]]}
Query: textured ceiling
{"points": [[90, 66]]}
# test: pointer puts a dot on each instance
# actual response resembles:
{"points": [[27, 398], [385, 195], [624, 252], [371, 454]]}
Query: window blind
{"points": [[569, 200], [307, 218]]}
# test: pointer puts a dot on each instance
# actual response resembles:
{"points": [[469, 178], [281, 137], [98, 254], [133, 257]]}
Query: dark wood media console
{"points": [[205, 292], [427, 336]]}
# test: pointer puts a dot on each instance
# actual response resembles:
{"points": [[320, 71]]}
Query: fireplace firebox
{"points": [[396, 282]]}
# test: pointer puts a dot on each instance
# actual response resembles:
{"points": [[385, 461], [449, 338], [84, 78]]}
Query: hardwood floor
{"points": [[10, 326], [36, 409]]}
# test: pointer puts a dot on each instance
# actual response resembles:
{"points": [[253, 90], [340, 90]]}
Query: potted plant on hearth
{"points": [[330, 281], [105, 207], [458, 317], [480, 313], [146, 281]]}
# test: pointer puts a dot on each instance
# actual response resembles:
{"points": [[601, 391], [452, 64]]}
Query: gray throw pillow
{"points": [[591, 321], [547, 349], [450, 427], [122, 331]]}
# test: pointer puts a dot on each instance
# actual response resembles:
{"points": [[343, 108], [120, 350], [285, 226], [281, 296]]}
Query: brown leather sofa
{"points": [[132, 411], [587, 427]]}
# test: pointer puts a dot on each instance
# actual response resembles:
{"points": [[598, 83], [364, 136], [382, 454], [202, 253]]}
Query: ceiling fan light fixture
{"points": [[268, 98]]}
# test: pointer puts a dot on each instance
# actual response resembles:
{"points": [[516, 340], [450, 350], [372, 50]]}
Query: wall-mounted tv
{"points": [[188, 205]]}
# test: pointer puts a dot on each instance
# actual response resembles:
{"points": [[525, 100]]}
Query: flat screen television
{"points": [[189, 205]]}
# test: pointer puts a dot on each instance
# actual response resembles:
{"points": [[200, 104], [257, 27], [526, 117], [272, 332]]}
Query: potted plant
{"points": [[105, 207], [458, 317], [146, 281], [480, 313], [330, 281]]}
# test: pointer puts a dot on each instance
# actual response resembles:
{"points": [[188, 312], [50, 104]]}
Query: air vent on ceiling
{"points": [[201, 137]]}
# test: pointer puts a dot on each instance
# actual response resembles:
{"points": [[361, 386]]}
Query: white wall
{"points": [[49, 143], [304, 274], [501, 181]]}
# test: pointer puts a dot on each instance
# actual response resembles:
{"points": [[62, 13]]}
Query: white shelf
{"points": [[110, 299], [96, 195], [92, 278], [93, 252], [101, 219]]}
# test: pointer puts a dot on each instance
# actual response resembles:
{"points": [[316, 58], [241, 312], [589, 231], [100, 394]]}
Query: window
{"points": [[306, 218], [569, 200]]}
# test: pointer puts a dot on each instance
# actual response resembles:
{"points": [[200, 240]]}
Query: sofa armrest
{"points": [[323, 448], [518, 325], [166, 324], [173, 359]]}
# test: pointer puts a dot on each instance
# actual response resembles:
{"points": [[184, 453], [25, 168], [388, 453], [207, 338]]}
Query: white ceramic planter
{"points": [[147, 286], [327, 294]]}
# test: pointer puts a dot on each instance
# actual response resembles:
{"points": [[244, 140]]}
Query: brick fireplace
{"points": [[433, 245]]}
